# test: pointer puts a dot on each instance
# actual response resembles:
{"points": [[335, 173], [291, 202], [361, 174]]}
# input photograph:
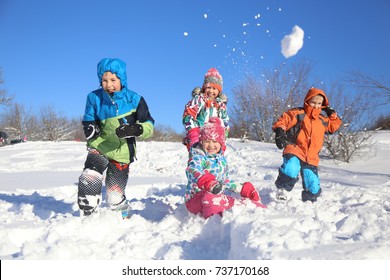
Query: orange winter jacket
{"points": [[306, 127]]}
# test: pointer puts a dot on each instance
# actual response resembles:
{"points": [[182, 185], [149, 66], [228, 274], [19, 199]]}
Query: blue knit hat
{"points": [[115, 66]]}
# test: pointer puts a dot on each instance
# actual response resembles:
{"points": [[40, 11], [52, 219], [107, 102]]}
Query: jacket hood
{"points": [[315, 91], [115, 66]]}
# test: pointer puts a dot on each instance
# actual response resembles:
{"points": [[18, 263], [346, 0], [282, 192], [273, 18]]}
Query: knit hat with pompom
{"points": [[213, 130], [214, 79]]}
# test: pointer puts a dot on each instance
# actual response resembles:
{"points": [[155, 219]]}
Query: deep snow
{"points": [[40, 218]]}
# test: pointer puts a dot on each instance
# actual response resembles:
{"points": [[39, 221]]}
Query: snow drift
{"points": [[40, 218]]}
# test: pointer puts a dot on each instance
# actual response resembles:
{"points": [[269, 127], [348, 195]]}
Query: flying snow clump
{"points": [[293, 42]]}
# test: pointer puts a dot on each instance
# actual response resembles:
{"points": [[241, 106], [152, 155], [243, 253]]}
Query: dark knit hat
{"points": [[213, 130], [214, 79]]}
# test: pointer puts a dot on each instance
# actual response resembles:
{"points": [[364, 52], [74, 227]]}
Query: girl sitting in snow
{"points": [[207, 174], [206, 102]]}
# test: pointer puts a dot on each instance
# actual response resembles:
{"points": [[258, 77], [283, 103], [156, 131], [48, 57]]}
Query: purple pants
{"points": [[208, 204]]}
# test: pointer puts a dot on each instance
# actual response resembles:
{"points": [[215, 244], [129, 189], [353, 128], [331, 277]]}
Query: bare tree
{"points": [[77, 128], [54, 126], [382, 122], [15, 121], [5, 99], [354, 136], [166, 134], [257, 103], [359, 108], [34, 131], [371, 87]]}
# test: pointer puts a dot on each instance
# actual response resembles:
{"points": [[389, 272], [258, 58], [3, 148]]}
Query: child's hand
{"points": [[129, 130], [329, 111], [209, 183], [216, 187], [249, 191], [192, 137], [91, 131], [280, 138]]}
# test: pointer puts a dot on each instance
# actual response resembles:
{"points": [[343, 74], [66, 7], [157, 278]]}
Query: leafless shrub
{"points": [[356, 102], [165, 133], [15, 121], [55, 127], [5, 99], [257, 103]]}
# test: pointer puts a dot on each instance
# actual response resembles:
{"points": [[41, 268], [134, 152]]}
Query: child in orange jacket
{"points": [[300, 132]]}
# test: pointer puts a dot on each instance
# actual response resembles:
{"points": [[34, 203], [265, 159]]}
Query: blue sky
{"points": [[49, 49]]}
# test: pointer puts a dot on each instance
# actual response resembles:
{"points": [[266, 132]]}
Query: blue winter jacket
{"points": [[110, 111]]}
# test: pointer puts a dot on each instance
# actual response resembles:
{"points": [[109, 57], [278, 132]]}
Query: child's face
{"points": [[316, 101], [111, 83], [211, 147], [211, 92]]}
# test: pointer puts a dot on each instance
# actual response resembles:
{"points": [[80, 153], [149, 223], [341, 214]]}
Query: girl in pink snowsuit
{"points": [[208, 177]]}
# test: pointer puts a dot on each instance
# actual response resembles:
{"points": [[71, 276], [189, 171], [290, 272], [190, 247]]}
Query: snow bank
{"points": [[40, 218]]}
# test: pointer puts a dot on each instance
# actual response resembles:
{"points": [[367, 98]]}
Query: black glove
{"points": [[129, 130], [91, 131], [280, 138], [217, 188], [329, 111]]}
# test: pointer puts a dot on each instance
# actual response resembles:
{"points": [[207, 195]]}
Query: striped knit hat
{"points": [[213, 78]]}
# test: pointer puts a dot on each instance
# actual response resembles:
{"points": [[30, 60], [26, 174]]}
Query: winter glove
{"points": [[329, 111], [223, 97], [129, 130], [280, 138], [192, 137], [209, 183], [195, 91], [91, 131], [249, 191], [216, 188]]}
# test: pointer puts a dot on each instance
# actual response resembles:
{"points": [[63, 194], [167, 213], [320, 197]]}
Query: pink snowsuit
{"points": [[208, 204], [203, 202]]}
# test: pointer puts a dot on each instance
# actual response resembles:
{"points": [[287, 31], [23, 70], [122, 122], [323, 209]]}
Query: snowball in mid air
{"points": [[293, 42]]}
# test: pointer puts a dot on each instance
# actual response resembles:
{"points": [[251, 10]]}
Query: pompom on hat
{"points": [[213, 130], [214, 79]]}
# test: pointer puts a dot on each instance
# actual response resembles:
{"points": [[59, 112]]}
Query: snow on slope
{"points": [[40, 219]]}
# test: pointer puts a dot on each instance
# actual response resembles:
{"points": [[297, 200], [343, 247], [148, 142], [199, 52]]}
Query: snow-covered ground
{"points": [[40, 218]]}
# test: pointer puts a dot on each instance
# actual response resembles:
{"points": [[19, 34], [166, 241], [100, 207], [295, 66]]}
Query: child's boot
{"points": [[281, 194], [89, 193], [308, 196], [88, 204]]}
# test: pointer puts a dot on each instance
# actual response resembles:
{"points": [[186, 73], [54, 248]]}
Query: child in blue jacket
{"points": [[114, 116]]}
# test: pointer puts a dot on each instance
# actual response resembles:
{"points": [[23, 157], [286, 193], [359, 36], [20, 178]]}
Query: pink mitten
{"points": [[192, 137], [249, 191], [207, 181]]}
